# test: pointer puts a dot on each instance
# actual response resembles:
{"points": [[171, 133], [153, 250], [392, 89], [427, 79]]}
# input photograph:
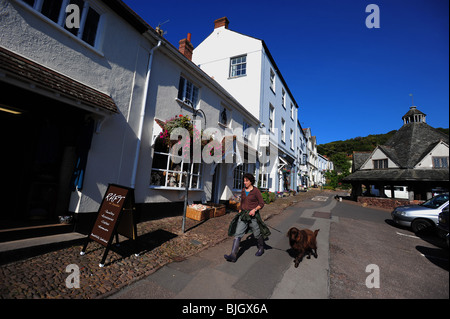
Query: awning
{"points": [[16, 67]]}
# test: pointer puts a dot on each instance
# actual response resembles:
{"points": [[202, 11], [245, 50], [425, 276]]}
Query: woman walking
{"points": [[251, 203]]}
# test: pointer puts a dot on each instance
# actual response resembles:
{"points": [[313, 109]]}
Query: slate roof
{"points": [[359, 158], [411, 143], [18, 67], [400, 175]]}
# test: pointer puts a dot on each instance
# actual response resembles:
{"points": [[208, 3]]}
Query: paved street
{"points": [[356, 245], [208, 275], [409, 266]]}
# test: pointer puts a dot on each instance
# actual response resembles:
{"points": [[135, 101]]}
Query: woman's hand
{"points": [[252, 212]]}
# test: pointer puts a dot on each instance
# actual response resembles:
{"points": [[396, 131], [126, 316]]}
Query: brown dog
{"points": [[303, 241]]}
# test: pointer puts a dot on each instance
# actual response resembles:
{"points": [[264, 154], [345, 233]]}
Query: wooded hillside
{"points": [[358, 144]]}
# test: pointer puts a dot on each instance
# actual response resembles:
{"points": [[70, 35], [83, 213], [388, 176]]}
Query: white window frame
{"points": [[238, 66], [381, 163], [245, 130], [37, 9], [189, 93], [440, 161], [263, 180], [238, 175], [292, 139], [271, 118], [283, 98], [292, 110], [179, 177], [283, 130], [272, 80]]}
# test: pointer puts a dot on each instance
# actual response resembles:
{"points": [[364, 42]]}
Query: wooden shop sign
{"points": [[115, 216]]}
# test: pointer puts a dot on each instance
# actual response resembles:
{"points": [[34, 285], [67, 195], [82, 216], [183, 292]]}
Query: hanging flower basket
{"points": [[180, 121], [169, 125]]}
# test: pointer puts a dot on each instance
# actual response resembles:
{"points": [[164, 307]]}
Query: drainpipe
{"points": [[142, 115]]}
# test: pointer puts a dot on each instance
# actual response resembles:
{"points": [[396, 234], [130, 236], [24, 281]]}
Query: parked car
{"points": [[421, 217], [443, 225]]}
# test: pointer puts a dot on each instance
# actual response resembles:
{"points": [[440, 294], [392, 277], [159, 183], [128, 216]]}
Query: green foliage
{"points": [[357, 144], [334, 180], [268, 197]]}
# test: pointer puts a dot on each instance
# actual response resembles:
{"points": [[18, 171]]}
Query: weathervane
{"points": [[412, 99]]}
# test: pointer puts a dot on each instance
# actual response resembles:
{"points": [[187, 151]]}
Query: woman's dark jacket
{"points": [[246, 218]]}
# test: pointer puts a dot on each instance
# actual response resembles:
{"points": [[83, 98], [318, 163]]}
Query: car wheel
{"points": [[420, 226]]}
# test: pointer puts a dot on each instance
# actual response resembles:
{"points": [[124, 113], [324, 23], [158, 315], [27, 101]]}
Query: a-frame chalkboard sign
{"points": [[115, 216]]}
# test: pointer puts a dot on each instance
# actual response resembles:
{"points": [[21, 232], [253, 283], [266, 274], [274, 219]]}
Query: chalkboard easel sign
{"points": [[115, 216]]}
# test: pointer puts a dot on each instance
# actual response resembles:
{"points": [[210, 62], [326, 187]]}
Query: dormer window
{"points": [[380, 164], [440, 161]]}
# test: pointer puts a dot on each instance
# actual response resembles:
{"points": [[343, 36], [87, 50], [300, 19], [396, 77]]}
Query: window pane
{"points": [[194, 96], [30, 2], [90, 27], [238, 66], [51, 9], [157, 178], [188, 93], [195, 183], [181, 88], [173, 179], [160, 161]]}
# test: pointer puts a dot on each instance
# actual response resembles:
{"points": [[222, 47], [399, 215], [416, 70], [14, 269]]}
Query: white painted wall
{"points": [[440, 150], [117, 67], [252, 90], [213, 57], [378, 155], [107, 68]]}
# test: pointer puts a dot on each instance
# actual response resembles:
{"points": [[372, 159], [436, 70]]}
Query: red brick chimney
{"points": [[222, 22], [186, 47]]}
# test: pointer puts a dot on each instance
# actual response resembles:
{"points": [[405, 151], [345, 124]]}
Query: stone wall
{"points": [[386, 203]]}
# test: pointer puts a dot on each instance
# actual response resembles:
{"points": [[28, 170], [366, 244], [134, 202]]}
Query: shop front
{"points": [[47, 123]]}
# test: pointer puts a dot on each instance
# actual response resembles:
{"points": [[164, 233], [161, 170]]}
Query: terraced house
{"points": [[79, 112], [244, 66]]}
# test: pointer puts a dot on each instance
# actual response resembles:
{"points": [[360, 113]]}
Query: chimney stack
{"points": [[186, 47], [222, 22]]}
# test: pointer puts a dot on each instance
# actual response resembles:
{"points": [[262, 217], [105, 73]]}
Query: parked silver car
{"points": [[421, 217]]}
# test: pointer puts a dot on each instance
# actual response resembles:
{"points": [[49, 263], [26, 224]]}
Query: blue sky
{"points": [[348, 80]]}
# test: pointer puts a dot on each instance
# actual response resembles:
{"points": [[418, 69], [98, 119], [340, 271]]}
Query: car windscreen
{"points": [[436, 202]]}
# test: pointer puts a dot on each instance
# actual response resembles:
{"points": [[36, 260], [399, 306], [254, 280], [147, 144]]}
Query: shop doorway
{"points": [[39, 141]]}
